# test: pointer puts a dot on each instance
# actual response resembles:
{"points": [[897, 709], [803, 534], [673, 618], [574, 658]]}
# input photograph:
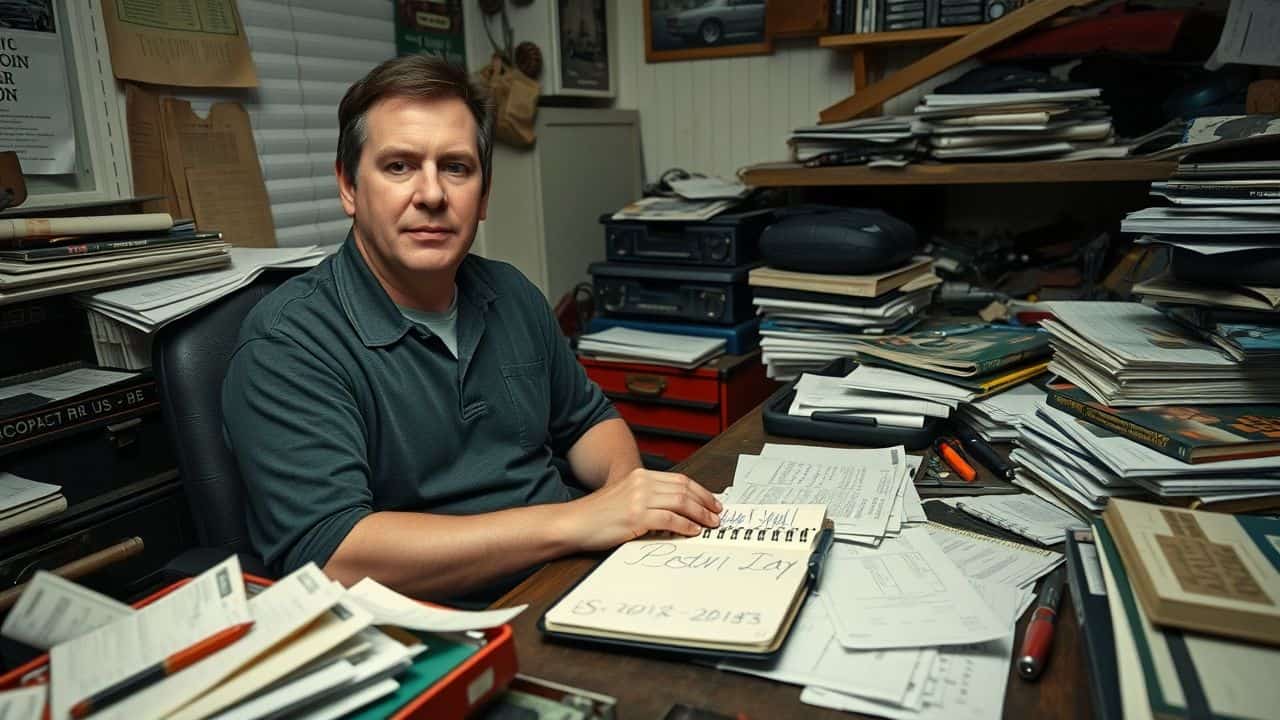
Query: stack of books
{"points": [[877, 142], [1187, 617], [809, 319], [1222, 233], [1059, 124], [46, 256], [1128, 354]]}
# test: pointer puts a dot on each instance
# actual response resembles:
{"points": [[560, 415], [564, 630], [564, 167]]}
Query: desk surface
{"points": [[647, 686]]}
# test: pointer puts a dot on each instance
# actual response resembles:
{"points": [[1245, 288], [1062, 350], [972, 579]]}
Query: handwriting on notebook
{"points": [[781, 517], [675, 556], [666, 611]]}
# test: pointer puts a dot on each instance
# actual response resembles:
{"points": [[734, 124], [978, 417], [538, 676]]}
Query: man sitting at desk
{"points": [[394, 411]]}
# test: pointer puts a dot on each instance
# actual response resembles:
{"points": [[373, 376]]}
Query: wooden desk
{"points": [[647, 686]]}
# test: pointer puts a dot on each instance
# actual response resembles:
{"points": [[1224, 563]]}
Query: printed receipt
{"points": [[53, 610]]}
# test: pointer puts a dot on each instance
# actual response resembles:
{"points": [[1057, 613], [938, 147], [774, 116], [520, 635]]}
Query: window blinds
{"points": [[307, 52]]}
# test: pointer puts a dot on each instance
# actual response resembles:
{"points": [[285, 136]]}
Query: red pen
{"points": [[1039, 636]]}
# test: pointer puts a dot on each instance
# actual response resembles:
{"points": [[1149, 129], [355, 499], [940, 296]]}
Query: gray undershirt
{"points": [[443, 325]]}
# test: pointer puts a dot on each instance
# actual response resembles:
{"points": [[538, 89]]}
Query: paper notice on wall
{"points": [[198, 43], [35, 104], [1249, 35]]}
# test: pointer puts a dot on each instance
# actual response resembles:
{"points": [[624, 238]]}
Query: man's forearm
{"points": [[605, 453], [441, 556]]}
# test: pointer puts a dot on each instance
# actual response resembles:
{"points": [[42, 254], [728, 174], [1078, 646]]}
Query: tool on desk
{"points": [[159, 671], [1039, 635], [981, 451], [949, 450]]}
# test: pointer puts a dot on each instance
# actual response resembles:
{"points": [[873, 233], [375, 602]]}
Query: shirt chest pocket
{"points": [[528, 390]]}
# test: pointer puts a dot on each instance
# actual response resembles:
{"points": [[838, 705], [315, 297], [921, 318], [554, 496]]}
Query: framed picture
{"points": [[693, 29], [582, 53]]}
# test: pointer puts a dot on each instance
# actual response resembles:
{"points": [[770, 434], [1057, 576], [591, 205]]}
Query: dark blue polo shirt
{"points": [[337, 405]]}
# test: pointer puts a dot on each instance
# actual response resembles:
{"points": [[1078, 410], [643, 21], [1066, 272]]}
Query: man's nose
{"points": [[429, 192]]}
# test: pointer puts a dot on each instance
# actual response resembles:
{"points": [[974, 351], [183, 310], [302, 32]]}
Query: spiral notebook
{"points": [[733, 591]]}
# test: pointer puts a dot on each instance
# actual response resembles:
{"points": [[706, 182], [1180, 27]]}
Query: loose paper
{"points": [[53, 610], [193, 43], [389, 607], [35, 102]]}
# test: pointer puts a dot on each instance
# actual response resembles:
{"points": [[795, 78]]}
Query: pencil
{"points": [[177, 661]]}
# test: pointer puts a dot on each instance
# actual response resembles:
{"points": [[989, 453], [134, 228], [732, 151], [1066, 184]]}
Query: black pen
{"points": [[984, 453]]}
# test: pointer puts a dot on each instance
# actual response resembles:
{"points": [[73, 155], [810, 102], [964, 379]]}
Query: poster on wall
{"points": [[193, 43], [435, 28], [35, 103], [584, 45]]}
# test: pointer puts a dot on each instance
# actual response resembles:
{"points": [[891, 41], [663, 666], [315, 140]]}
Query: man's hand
{"points": [[639, 502]]}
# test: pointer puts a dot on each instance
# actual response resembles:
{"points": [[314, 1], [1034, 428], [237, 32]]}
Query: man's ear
{"points": [[346, 190]]}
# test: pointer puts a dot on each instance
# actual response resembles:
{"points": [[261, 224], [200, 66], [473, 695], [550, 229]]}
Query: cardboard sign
{"points": [[193, 43]]}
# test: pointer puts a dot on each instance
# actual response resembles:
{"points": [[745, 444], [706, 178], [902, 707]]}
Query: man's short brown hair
{"points": [[411, 76]]}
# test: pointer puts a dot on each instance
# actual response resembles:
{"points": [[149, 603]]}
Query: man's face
{"points": [[418, 194]]}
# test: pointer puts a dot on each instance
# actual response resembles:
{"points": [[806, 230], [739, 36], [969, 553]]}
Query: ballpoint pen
{"points": [[159, 671], [1039, 635], [980, 450]]}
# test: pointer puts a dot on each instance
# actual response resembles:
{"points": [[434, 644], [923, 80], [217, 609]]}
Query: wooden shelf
{"points": [[896, 37], [792, 175]]}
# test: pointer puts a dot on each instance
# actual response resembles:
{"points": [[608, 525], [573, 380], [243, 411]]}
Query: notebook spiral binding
{"points": [[758, 534]]}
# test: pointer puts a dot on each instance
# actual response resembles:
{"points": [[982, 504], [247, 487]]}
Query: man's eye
{"points": [[457, 168], [397, 167]]}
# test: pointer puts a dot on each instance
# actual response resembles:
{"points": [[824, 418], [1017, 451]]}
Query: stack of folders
{"points": [[25, 502], [1222, 233], [996, 418], [1128, 355], [124, 320], [47, 256], [910, 619], [904, 379], [622, 344], [809, 319], [1078, 452], [1183, 619], [312, 649], [886, 141], [1059, 124]]}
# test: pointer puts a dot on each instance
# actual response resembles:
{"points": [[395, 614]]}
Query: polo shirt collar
{"points": [[369, 309]]}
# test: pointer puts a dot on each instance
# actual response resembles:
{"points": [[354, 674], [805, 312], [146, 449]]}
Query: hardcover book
{"points": [[1201, 571], [1191, 433], [965, 351]]}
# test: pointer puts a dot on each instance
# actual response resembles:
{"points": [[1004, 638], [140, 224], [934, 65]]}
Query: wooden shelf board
{"points": [[896, 37], [1123, 170]]}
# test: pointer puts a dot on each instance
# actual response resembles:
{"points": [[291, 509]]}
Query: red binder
{"points": [[475, 681]]}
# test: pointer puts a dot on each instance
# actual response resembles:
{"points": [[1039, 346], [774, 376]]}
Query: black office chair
{"points": [[190, 358]]}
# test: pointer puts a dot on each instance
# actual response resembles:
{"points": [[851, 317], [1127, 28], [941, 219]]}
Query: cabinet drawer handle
{"points": [[646, 385], [86, 565]]}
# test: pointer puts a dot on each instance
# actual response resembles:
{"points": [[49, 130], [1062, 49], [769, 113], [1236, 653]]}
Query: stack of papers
{"points": [[1027, 515], [124, 320], [101, 261], [627, 345], [918, 623], [24, 502], [810, 319], [885, 141], [1064, 124], [673, 208], [996, 418], [1127, 354], [314, 649]]}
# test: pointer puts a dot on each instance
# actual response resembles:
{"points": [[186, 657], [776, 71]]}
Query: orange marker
{"points": [[948, 450], [163, 669]]}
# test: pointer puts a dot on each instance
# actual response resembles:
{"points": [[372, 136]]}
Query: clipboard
{"points": [[470, 683]]}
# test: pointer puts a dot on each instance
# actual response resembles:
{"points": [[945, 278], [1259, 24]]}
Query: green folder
{"points": [[439, 659]]}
